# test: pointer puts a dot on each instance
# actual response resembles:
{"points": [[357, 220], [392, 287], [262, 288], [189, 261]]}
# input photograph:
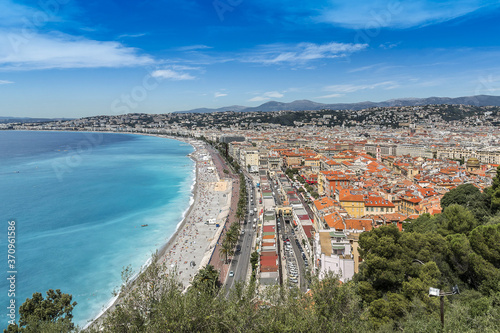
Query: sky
{"points": [[77, 58]]}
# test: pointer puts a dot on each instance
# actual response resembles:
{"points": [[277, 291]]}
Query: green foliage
{"points": [[37, 314], [495, 192], [470, 267], [207, 280], [485, 240], [460, 195], [459, 219], [254, 260], [471, 198], [336, 307]]}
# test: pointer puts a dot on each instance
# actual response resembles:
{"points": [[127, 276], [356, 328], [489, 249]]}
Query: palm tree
{"points": [[233, 233], [226, 249], [207, 279]]}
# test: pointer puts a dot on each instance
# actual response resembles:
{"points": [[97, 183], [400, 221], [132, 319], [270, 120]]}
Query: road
{"points": [[298, 256], [241, 260]]}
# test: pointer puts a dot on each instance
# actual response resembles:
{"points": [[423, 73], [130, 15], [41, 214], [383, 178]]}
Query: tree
{"points": [[471, 198], [485, 240], [207, 280], [459, 219], [55, 311], [495, 192], [460, 195], [254, 260], [226, 249], [471, 267]]}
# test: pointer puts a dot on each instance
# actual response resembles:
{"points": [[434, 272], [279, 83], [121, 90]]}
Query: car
{"points": [[294, 280], [231, 273]]}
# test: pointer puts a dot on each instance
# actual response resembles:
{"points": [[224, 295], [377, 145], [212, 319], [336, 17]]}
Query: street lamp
{"points": [[436, 292]]}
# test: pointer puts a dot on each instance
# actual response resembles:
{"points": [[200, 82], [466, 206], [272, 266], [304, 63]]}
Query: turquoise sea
{"points": [[79, 201]]}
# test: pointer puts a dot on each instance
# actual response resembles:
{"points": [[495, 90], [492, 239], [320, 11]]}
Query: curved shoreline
{"points": [[207, 192], [111, 304], [193, 238]]}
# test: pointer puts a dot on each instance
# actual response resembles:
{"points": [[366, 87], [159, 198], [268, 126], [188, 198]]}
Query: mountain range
{"points": [[301, 105]]}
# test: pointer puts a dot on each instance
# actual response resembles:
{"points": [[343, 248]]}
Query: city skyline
{"points": [[63, 58]]}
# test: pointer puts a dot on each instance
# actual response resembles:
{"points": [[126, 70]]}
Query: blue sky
{"points": [[72, 58]]}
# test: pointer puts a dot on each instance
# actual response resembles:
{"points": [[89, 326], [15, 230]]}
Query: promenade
{"points": [[217, 259]]}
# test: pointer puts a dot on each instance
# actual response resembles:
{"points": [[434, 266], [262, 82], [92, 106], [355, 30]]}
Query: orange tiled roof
{"points": [[359, 224], [334, 221]]}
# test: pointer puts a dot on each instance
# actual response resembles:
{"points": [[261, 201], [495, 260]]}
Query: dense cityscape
{"points": [[312, 183]]}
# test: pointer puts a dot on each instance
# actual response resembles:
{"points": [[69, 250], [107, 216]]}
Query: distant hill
{"points": [[236, 108], [300, 105], [6, 120]]}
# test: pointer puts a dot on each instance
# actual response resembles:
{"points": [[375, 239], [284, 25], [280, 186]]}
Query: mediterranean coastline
{"points": [[191, 246]]}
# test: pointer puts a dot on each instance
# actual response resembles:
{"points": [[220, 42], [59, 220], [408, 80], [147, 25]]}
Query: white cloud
{"points": [[193, 47], [5, 82], [331, 96], [132, 35], [350, 88], [172, 75], [37, 51], [219, 94], [374, 14], [266, 96], [388, 45], [300, 53]]}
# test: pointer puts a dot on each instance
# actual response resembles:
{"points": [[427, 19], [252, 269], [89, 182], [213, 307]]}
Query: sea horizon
{"points": [[115, 199]]}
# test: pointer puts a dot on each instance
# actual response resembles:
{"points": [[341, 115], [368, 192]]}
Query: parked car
{"points": [[231, 273]]}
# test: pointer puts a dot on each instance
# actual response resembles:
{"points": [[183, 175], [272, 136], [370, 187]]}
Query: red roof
{"points": [[268, 228], [308, 230]]}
